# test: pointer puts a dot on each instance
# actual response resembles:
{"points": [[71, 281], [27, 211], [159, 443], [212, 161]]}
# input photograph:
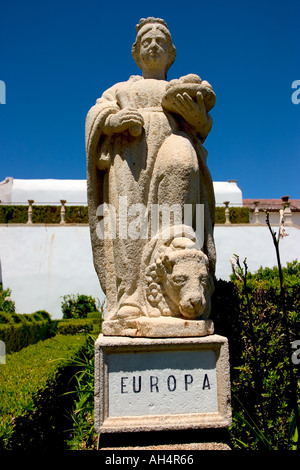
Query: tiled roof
{"points": [[272, 204]]}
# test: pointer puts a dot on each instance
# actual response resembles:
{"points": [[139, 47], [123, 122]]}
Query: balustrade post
{"points": [[256, 212], [287, 211], [227, 219], [62, 211], [30, 202]]}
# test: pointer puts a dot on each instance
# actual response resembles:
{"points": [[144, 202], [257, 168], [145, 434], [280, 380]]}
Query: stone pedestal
{"points": [[161, 384], [161, 327]]}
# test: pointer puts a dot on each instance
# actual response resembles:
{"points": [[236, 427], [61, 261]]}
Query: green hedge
{"points": [[33, 407], [20, 330], [76, 215], [18, 214], [237, 215], [46, 214], [74, 326]]}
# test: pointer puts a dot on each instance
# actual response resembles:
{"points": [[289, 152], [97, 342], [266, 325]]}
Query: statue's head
{"points": [[153, 43]]}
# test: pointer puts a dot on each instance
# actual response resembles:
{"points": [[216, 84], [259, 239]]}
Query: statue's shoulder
{"points": [[135, 78], [110, 93], [124, 84]]}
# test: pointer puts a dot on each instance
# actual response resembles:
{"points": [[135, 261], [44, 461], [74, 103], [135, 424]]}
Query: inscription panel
{"points": [[162, 383]]}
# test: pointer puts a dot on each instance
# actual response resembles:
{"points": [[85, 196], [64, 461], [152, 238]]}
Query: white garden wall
{"points": [[41, 263], [254, 243], [51, 191]]}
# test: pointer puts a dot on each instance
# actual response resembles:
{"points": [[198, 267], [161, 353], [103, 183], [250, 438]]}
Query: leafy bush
{"points": [[78, 306], [6, 304], [32, 405], [262, 388]]}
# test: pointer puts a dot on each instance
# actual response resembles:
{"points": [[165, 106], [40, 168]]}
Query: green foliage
{"points": [[95, 315], [6, 304], [20, 330], [13, 214], [76, 215], [220, 215], [46, 214], [42, 314], [78, 306], [18, 214], [237, 215], [260, 361], [32, 382], [79, 214], [269, 277], [74, 326], [82, 435]]}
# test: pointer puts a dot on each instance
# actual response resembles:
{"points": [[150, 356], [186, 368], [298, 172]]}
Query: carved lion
{"points": [[179, 283]]}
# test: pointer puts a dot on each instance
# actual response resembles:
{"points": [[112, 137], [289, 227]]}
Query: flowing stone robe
{"points": [[165, 164]]}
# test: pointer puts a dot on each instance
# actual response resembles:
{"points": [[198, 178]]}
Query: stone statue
{"points": [[145, 156]]}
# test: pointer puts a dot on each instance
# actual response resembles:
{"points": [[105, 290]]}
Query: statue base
{"points": [[161, 384], [158, 327]]}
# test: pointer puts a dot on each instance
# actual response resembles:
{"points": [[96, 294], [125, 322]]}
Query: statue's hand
{"points": [[125, 119], [193, 112]]}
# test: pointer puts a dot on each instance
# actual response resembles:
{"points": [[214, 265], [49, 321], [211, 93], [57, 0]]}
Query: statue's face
{"points": [[154, 49]]}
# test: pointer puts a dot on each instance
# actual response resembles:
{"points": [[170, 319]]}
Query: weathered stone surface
{"points": [[194, 446], [150, 193], [161, 327], [145, 384]]}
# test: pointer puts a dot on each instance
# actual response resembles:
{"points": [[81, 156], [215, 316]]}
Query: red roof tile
{"points": [[272, 204]]}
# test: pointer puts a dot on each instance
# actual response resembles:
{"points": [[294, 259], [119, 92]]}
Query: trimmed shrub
{"points": [[33, 407], [5, 318], [76, 215], [20, 330], [18, 214], [42, 314], [74, 326], [96, 314], [91, 324], [237, 215], [13, 214], [46, 214], [220, 215]]}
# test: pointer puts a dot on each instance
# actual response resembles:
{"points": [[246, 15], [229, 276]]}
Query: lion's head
{"points": [[179, 281]]}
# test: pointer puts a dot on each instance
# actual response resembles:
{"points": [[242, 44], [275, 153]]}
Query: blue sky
{"points": [[56, 59]]}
